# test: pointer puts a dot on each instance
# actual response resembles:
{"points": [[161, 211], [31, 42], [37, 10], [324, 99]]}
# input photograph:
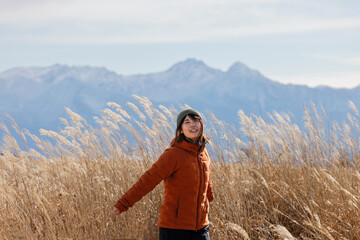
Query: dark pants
{"points": [[179, 234]]}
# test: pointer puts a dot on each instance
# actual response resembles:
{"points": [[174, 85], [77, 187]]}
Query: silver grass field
{"points": [[272, 180]]}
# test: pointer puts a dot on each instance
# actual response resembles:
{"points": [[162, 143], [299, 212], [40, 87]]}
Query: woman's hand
{"points": [[115, 212]]}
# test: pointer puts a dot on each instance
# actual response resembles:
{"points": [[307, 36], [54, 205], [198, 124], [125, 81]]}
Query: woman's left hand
{"points": [[115, 212]]}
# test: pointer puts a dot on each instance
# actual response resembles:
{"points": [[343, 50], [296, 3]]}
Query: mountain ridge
{"points": [[36, 96]]}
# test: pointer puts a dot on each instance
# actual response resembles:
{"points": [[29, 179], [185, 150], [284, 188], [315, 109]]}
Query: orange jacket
{"points": [[185, 169]]}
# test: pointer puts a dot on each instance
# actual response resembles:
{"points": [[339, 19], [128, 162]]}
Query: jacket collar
{"points": [[189, 147]]}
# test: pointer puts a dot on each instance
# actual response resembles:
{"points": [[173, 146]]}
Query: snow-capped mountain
{"points": [[35, 97]]}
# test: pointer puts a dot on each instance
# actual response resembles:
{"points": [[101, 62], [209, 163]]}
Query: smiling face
{"points": [[191, 128]]}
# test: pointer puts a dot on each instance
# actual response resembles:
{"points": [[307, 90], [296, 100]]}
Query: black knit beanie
{"points": [[184, 113]]}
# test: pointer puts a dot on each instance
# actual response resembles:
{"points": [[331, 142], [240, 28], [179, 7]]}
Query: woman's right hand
{"points": [[115, 212]]}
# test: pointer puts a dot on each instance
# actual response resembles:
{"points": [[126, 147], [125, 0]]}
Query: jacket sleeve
{"points": [[161, 169]]}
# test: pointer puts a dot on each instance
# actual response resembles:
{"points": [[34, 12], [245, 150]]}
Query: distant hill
{"points": [[36, 96]]}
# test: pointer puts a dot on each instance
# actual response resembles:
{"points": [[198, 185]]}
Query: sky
{"points": [[307, 42]]}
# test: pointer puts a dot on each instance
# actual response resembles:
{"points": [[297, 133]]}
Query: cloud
{"points": [[40, 12], [68, 32], [354, 61], [143, 21], [332, 79]]}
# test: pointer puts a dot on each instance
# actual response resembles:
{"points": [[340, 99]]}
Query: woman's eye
{"points": [[195, 121]]}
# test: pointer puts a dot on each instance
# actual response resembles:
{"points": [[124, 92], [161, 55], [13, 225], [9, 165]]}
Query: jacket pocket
{"points": [[206, 205], [177, 207]]}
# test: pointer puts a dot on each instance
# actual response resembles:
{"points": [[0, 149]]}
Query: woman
{"points": [[185, 169]]}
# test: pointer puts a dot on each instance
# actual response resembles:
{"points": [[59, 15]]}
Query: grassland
{"points": [[271, 180]]}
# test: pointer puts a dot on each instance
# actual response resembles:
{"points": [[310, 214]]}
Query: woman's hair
{"points": [[179, 137]]}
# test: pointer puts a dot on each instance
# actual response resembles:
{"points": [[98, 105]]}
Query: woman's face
{"points": [[191, 128]]}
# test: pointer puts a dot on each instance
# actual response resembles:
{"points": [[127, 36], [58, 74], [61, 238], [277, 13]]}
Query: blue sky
{"points": [[311, 42]]}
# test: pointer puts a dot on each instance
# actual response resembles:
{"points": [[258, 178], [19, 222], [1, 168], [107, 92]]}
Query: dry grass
{"points": [[271, 180]]}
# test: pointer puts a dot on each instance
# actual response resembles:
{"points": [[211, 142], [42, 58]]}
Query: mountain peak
{"points": [[239, 68], [189, 64], [32, 73], [58, 72]]}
